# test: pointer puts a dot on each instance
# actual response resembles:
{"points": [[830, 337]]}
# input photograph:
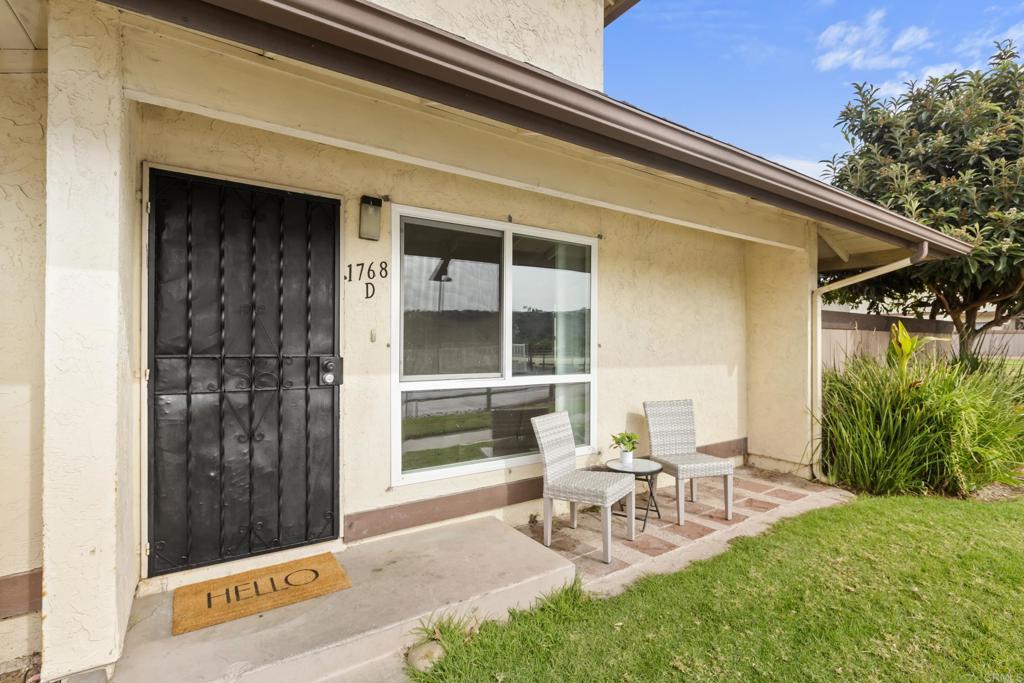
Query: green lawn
{"points": [[432, 425], [1014, 363], [449, 455], [882, 589]]}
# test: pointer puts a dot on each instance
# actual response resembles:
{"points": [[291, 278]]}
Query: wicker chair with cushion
{"points": [[562, 481], [674, 445]]}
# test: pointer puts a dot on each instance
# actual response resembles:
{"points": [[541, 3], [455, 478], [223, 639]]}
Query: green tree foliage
{"points": [[946, 153]]}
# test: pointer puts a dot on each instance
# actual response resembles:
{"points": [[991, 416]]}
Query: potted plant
{"points": [[627, 443]]}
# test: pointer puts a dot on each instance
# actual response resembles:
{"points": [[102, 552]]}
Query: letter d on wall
{"points": [[370, 290]]}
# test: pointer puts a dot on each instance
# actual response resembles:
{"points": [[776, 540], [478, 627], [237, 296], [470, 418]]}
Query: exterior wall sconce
{"points": [[369, 217]]}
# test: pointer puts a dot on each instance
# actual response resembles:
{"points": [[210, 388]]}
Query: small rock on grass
{"points": [[422, 657]]}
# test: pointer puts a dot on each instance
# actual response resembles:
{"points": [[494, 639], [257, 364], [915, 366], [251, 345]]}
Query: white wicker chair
{"points": [[674, 445], [563, 481]]}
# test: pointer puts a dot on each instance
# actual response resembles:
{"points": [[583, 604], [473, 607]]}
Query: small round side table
{"points": [[643, 470]]}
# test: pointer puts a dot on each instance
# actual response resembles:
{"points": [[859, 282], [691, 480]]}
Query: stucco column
{"points": [[779, 283], [89, 563]]}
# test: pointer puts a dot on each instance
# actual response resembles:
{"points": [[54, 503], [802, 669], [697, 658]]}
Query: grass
{"points": [[881, 589], [449, 455], [432, 425], [1014, 366]]}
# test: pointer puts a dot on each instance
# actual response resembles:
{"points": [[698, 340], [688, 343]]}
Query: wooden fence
{"points": [[845, 334]]}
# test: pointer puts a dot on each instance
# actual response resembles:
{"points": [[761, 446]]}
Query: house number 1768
{"points": [[358, 272]]}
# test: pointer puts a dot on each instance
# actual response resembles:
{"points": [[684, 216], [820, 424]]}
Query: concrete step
{"points": [[480, 568], [387, 669]]}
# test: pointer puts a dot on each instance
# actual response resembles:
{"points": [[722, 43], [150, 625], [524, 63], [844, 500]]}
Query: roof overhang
{"points": [[613, 9], [368, 42]]}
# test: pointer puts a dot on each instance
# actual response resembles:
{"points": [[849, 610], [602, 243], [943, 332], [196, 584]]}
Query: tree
{"points": [[946, 153]]}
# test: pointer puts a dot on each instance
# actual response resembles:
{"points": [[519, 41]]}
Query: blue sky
{"points": [[771, 76]]}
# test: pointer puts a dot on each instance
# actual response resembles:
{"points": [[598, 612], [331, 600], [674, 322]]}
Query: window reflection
{"points": [[550, 307], [451, 300], [457, 426]]}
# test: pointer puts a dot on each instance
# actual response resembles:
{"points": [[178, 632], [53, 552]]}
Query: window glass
{"points": [[550, 307], [451, 300], [457, 426]]}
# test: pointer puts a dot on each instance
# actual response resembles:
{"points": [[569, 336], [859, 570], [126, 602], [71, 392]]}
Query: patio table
{"points": [[643, 470]]}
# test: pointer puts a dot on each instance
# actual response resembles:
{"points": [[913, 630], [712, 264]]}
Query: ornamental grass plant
{"points": [[918, 423]]}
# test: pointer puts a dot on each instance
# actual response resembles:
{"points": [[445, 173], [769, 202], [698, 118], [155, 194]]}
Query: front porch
{"points": [[477, 569], [760, 499]]}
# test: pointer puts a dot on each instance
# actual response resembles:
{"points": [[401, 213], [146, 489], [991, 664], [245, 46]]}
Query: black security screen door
{"points": [[243, 403]]}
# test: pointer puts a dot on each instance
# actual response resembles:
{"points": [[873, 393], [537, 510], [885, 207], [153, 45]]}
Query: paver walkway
{"points": [[760, 498]]}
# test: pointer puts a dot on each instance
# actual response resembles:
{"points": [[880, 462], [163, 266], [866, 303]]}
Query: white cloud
{"points": [[898, 86], [912, 38], [701, 15], [754, 51], [939, 70], [866, 45], [814, 169], [845, 42], [981, 44]]}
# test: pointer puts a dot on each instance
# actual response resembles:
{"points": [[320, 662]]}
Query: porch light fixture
{"points": [[369, 217]]}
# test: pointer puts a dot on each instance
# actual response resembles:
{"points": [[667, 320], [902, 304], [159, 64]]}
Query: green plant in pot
{"points": [[626, 442]]}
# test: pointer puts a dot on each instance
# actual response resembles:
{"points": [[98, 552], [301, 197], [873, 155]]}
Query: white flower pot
{"points": [[627, 457]]}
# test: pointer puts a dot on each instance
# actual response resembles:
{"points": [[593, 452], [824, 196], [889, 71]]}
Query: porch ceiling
{"points": [[840, 250], [23, 36]]}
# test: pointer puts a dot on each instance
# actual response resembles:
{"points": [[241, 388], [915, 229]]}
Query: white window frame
{"points": [[506, 378]]}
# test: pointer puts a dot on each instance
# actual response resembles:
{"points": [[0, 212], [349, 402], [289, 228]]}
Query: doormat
{"points": [[240, 595]]}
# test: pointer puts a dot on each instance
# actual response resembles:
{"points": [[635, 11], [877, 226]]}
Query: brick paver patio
{"points": [[760, 498]]}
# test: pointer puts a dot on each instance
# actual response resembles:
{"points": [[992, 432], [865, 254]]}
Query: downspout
{"points": [[817, 372]]}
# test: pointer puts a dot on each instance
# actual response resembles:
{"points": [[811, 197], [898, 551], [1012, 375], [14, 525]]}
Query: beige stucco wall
{"points": [[90, 553], [671, 301], [22, 256], [565, 37], [779, 424]]}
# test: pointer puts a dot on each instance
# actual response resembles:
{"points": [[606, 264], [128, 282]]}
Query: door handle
{"points": [[331, 371]]}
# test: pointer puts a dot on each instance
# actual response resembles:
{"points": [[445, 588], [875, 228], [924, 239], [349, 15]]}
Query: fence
{"points": [[845, 334]]}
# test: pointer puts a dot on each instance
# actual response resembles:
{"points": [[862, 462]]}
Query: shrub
{"points": [[924, 426]]}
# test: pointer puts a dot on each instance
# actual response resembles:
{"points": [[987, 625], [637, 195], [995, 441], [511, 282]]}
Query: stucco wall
{"points": [[671, 318], [90, 553], [22, 256], [565, 37], [779, 284]]}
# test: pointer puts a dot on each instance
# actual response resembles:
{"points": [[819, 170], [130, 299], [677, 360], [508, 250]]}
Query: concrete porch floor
{"points": [[479, 568], [760, 498]]}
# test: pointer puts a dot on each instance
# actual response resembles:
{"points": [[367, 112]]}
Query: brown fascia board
{"points": [[370, 43], [617, 9]]}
